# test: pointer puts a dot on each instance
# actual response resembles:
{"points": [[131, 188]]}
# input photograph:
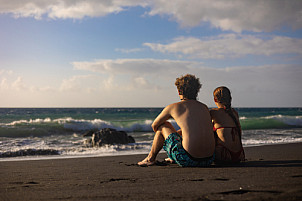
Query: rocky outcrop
{"points": [[108, 136]]}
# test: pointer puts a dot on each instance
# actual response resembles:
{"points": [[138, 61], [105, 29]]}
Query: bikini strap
{"points": [[233, 132], [214, 129]]}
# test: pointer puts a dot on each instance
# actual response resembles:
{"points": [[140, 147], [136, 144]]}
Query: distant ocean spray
{"points": [[57, 132]]}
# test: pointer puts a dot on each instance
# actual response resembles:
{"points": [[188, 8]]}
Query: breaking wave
{"points": [[68, 125]]}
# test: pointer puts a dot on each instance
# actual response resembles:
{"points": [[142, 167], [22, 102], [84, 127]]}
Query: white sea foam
{"points": [[271, 136], [289, 120], [258, 142], [73, 145], [83, 124], [66, 146], [137, 126], [31, 121]]}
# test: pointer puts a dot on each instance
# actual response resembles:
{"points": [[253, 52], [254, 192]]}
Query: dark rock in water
{"points": [[131, 139], [110, 136]]}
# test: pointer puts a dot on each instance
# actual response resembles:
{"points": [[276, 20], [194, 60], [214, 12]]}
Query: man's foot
{"points": [[146, 162]]}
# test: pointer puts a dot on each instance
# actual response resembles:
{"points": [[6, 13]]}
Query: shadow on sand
{"points": [[264, 163]]}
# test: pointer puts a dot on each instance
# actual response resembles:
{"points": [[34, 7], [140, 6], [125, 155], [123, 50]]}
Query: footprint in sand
{"points": [[242, 191], [196, 179], [221, 179]]}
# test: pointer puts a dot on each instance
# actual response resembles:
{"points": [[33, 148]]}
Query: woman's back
{"points": [[228, 137], [227, 128]]}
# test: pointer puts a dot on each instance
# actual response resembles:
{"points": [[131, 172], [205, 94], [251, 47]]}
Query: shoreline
{"points": [[272, 172], [129, 153]]}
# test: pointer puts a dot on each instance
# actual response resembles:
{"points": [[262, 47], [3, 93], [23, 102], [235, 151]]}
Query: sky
{"points": [[128, 53]]}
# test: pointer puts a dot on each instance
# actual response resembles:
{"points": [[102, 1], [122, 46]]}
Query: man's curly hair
{"points": [[188, 86]]}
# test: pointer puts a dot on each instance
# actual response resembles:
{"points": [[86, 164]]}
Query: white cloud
{"points": [[134, 66], [230, 46], [265, 86], [235, 15], [132, 74], [64, 9], [75, 83], [4, 84], [129, 83], [140, 81], [43, 89], [18, 84], [269, 85], [5, 72], [127, 51], [109, 83], [125, 84]]}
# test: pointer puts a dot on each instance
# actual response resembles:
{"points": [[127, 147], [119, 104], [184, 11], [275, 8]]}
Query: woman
{"points": [[227, 128]]}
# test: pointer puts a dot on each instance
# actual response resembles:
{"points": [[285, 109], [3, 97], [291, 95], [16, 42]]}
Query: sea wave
{"points": [[271, 122], [48, 126], [74, 145], [289, 120], [67, 125], [29, 152]]}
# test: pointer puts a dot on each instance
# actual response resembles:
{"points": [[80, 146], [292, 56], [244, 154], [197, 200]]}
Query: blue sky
{"points": [[128, 53]]}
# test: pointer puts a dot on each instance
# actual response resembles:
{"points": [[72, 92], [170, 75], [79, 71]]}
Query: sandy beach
{"points": [[272, 172]]}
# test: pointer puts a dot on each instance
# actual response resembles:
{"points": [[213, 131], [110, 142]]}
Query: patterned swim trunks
{"points": [[176, 152]]}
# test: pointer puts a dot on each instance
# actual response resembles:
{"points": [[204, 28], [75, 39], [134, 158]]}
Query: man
{"points": [[193, 145]]}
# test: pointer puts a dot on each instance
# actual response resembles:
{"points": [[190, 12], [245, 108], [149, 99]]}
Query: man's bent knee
{"points": [[165, 125], [166, 129]]}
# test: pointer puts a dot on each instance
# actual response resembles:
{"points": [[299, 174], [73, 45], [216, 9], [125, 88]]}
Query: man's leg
{"points": [[162, 133]]}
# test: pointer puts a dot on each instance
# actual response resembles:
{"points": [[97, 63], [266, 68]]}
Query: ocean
{"points": [[43, 133]]}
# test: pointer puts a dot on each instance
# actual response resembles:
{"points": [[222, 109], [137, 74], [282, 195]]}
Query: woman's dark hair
{"points": [[188, 86], [223, 95]]}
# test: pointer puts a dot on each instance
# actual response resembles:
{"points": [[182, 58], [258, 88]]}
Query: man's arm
{"points": [[162, 118]]}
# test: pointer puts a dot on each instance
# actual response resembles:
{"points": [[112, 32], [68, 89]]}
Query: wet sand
{"points": [[272, 172]]}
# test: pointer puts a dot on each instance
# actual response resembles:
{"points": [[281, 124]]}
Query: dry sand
{"points": [[272, 172]]}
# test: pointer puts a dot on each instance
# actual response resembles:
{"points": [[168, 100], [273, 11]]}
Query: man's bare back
{"points": [[194, 144], [194, 119]]}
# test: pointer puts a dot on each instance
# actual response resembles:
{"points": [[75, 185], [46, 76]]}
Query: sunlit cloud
{"points": [[75, 83], [229, 46], [5, 72], [129, 84], [135, 66], [19, 85], [230, 32], [266, 85], [65, 9], [133, 74], [235, 15], [127, 51], [4, 84], [247, 82]]}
